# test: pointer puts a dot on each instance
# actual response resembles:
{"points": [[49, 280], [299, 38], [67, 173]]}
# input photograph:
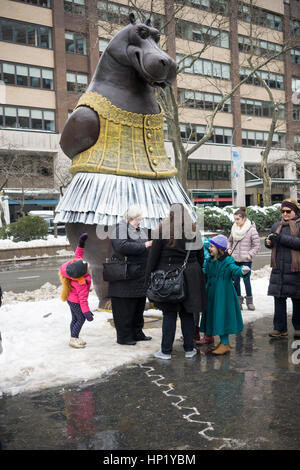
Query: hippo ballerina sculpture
{"points": [[115, 139]]}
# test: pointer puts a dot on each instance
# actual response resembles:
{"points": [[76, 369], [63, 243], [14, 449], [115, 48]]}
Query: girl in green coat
{"points": [[223, 315]]}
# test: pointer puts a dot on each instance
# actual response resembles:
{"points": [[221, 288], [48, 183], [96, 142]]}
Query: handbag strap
{"points": [[186, 259], [183, 265]]}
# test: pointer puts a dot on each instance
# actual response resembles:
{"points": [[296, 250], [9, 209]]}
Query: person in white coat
{"points": [[243, 245]]}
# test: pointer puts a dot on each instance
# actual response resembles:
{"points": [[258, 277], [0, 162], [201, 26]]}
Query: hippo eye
{"points": [[144, 33]]}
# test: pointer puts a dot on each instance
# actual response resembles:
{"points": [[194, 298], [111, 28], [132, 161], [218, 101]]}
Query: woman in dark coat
{"points": [[170, 252], [128, 297], [284, 240]]}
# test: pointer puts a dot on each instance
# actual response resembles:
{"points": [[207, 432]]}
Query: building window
{"points": [[39, 3], [75, 43], [214, 6], [260, 48], [295, 84], [274, 80], [193, 133], [295, 27], [297, 142], [118, 14], [200, 100], [27, 118], [260, 108], [25, 75], [77, 82], [276, 171], [201, 33], [103, 43], [259, 16], [25, 33], [295, 56], [203, 67], [296, 113], [259, 139], [208, 171], [74, 7]]}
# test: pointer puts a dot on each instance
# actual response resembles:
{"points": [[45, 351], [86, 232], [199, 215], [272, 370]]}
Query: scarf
{"points": [[238, 233], [295, 266]]}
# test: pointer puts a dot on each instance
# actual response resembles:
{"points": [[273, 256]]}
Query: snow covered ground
{"points": [[61, 240], [35, 335]]}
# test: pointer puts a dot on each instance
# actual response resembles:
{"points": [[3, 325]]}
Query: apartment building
{"points": [[49, 50]]}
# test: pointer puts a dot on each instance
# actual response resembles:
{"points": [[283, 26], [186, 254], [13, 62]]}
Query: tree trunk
{"points": [[3, 221], [267, 181]]}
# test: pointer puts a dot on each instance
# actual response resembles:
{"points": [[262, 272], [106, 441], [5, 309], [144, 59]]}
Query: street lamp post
{"points": [[231, 156]]}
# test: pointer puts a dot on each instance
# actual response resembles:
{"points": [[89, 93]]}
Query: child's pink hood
{"points": [[78, 255]]}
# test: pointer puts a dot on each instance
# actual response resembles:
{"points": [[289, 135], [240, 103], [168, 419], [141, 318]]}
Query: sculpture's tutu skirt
{"points": [[98, 198]]}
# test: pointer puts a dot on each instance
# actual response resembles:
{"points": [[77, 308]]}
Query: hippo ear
{"points": [[148, 22], [132, 18]]}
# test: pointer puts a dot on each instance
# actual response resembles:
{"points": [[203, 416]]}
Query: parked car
{"points": [[48, 216]]}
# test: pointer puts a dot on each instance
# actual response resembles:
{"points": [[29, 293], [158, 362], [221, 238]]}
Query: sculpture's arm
{"points": [[81, 131]]}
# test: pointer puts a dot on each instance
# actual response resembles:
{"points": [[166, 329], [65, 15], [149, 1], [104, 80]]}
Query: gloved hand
{"points": [[82, 239], [89, 316], [274, 237], [245, 270]]}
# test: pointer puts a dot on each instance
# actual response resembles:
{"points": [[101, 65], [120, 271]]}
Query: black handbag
{"points": [[120, 270], [167, 286]]}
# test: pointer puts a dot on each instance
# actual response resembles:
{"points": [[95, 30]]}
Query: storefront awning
{"points": [[43, 202], [259, 182]]}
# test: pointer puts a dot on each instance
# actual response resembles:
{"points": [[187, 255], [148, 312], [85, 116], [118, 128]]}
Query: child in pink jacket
{"points": [[76, 283]]}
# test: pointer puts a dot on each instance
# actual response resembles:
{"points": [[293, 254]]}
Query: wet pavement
{"points": [[248, 399]]}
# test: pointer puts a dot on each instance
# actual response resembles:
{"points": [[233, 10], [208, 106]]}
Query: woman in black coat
{"points": [[284, 240], [168, 253], [128, 297]]}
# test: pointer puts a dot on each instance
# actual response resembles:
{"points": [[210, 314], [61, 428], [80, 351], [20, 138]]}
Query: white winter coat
{"points": [[246, 248]]}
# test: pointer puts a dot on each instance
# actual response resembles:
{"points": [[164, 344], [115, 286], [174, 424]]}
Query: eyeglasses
{"points": [[288, 211]]}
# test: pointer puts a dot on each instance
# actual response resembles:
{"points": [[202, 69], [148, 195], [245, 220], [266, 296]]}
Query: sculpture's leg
{"points": [[96, 252]]}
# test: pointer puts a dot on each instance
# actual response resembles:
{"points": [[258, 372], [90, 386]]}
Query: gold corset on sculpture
{"points": [[129, 144]]}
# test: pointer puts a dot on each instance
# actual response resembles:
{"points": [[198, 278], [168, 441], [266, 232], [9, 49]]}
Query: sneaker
{"points": [[161, 355], [75, 343], [81, 341], [190, 354], [277, 334]]}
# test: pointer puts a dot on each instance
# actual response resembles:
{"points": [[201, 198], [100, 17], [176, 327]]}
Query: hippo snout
{"points": [[161, 68], [154, 65]]}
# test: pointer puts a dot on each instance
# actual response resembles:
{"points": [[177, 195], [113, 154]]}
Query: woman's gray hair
{"points": [[132, 212]]}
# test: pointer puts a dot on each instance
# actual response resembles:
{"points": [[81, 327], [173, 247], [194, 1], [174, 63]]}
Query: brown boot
{"points": [[221, 349]]}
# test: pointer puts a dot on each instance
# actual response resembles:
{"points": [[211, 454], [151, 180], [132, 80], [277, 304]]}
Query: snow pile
{"points": [[260, 273], [61, 240], [46, 292]]}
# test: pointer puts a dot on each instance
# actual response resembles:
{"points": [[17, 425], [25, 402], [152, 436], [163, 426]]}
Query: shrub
{"points": [[265, 217], [25, 229], [217, 219]]}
